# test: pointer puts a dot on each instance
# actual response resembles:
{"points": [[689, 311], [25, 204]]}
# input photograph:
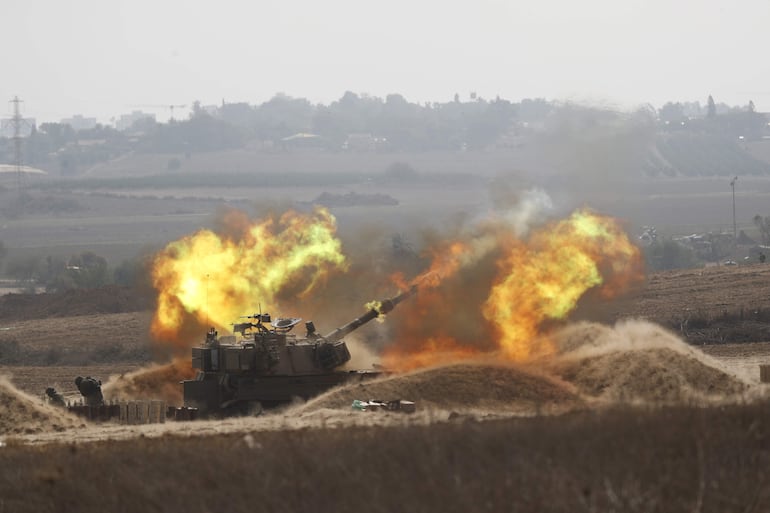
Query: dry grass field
{"points": [[622, 459]]}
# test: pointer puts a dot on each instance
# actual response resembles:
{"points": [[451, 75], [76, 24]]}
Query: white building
{"points": [[78, 122], [125, 121]]}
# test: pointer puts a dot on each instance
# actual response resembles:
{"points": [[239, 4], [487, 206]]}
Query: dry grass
{"points": [[24, 414], [34, 380], [637, 361], [475, 384], [622, 459], [77, 340]]}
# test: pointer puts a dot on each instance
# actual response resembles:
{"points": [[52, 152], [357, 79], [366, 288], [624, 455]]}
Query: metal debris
{"points": [[398, 405]]}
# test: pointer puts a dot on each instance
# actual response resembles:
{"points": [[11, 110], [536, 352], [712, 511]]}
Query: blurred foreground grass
{"points": [[623, 459]]}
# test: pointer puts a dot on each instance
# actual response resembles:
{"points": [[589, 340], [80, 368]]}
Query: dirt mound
{"points": [[24, 414], [457, 386], [104, 300], [582, 335], [649, 375], [639, 361]]}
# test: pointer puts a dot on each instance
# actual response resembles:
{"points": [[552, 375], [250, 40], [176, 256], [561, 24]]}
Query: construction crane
{"points": [[170, 107]]}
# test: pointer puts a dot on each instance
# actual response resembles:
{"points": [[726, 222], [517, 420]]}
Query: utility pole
{"points": [[172, 107], [735, 227], [16, 122]]}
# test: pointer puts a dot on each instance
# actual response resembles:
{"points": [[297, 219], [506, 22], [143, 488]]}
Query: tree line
{"points": [[386, 124], [80, 271]]}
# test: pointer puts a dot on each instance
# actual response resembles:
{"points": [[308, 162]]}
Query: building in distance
{"points": [[126, 121], [78, 122]]}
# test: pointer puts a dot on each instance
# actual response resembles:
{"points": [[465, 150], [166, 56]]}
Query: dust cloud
{"points": [[362, 356], [152, 382]]}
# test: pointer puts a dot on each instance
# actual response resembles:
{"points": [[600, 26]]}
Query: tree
{"points": [[91, 270], [59, 133], [197, 110], [238, 114], [24, 269], [490, 122], [672, 113], [668, 254], [128, 272], [711, 109], [282, 116], [763, 224], [56, 275]]}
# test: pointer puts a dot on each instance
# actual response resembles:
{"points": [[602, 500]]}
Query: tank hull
{"points": [[225, 394], [271, 366]]}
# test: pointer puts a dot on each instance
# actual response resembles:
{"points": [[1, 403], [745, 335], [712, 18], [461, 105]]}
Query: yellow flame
{"points": [[536, 281], [545, 278], [214, 277]]}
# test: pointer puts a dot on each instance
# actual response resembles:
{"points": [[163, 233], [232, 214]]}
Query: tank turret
{"points": [[269, 365]]}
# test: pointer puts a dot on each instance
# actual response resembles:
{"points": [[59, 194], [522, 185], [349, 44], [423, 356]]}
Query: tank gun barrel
{"points": [[385, 306]]}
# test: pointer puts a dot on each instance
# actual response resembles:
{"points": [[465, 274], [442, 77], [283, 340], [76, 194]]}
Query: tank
{"points": [[269, 365]]}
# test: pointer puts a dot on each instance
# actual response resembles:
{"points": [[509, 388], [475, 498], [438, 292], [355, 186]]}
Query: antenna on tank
{"points": [[207, 300]]}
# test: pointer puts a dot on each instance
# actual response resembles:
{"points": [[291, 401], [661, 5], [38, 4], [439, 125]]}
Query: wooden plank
{"points": [[764, 373]]}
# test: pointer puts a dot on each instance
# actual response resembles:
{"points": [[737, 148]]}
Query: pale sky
{"points": [[101, 58]]}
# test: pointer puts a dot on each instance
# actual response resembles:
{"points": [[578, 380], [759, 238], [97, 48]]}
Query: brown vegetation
{"points": [[624, 459], [110, 299], [713, 305], [24, 414]]}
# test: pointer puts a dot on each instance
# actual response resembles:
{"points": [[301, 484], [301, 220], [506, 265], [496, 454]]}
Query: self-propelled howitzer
{"points": [[269, 365]]}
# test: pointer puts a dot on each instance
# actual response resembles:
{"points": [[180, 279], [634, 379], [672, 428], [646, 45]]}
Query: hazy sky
{"points": [[103, 57]]}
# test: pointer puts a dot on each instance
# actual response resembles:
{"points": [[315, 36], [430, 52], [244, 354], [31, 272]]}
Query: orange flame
{"points": [[545, 278], [209, 278], [498, 297], [446, 262]]}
